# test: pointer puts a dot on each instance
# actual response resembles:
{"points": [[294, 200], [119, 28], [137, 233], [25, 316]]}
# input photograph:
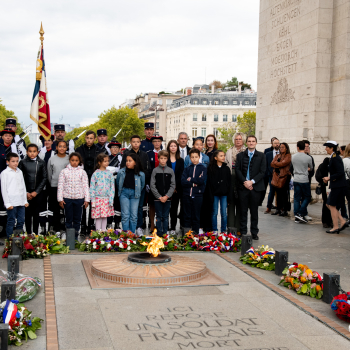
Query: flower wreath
{"points": [[341, 305]]}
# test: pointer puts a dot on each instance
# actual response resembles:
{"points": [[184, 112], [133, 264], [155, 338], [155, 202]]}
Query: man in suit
{"points": [[269, 173], [182, 141], [337, 185], [250, 171]]}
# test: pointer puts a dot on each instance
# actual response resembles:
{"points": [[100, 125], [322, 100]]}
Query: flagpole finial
{"points": [[41, 32]]}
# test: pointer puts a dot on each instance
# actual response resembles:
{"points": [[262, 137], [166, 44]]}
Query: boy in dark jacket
{"points": [[35, 177], [162, 187], [193, 184]]}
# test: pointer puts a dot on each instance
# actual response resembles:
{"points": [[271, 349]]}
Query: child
{"points": [[162, 187], [73, 191], [115, 160], [193, 184], [198, 144], [102, 192], [54, 166], [130, 183], [219, 187], [35, 177], [14, 194]]}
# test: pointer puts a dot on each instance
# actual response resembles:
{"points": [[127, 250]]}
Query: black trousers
{"points": [[326, 213], [249, 199], [32, 214], [58, 216], [283, 197], [263, 193], [175, 200], [192, 212]]}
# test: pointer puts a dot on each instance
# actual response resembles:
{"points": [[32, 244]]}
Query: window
{"points": [[234, 117], [204, 132], [195, 102], [204, 102], [215, 132], [225, 102], [204, 117], [194, 117], [160, 102], [235, 102], [216, 102], [224, 118], [194, 132], [216, 117], [246, 102]]}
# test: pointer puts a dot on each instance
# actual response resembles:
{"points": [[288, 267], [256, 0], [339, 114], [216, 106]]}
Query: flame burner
{"points": [[146, 258]]}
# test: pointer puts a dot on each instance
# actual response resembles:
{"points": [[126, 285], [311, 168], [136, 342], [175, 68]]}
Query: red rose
{"points": [[125, 245], [227, 244], [97, 247], [5, 255], [165, 243], [175, 247], [213, 238]]}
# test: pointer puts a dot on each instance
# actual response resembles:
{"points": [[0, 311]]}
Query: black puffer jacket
{"points": [[34, 173], [219, 182]]}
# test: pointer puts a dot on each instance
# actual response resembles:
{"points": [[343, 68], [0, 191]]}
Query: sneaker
{"points": [[139, 232], [81, 238], [200, 231], [303, 219], [63, 236], [298, 216], [308, 218]]}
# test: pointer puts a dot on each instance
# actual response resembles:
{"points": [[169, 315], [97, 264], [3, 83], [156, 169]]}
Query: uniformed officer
{"points": [[102, 144], [154, 162], [146, 144], [60, 134], [11, 123], [337, 185]]}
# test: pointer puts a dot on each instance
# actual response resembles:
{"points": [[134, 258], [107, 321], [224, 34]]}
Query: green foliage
{"points": [[233, 84], [164, 93], [113, 120], [4, 114], [247, 123], [226, 133]]}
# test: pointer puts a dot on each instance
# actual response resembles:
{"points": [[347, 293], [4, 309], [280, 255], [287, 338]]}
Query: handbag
{"points": [[318, 190], [277, 180]]}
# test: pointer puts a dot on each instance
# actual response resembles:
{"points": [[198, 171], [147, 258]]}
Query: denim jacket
{"points": [[205, 160], [139, 182]]}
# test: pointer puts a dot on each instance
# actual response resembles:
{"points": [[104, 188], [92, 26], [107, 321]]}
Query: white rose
{"points": [[128, 248], [109, 245], [121, 245]]}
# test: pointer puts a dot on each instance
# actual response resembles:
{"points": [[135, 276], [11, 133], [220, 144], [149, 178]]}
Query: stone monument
{"points": [[303, 73]]}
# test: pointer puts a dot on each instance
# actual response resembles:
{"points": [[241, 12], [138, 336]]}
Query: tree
{"points": [[232, 84], [113, 120], [226, 133], [4, 114], [245, 85], [217, 84], [247, 123]]}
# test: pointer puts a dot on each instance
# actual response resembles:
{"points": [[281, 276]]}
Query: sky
{"points": [[100, 53]]}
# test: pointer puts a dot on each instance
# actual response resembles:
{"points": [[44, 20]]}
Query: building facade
{"points": [[202, 114]]}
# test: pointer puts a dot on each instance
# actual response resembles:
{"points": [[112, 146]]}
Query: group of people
{"points": [[98, 185]]}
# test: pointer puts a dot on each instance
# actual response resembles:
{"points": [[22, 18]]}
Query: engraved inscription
{"points": [[277, 9], [284, 44], [286, 17], [285, 57], [284, 70]]}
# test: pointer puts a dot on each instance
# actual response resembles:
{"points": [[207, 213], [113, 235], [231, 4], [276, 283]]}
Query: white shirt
{"points": [[13, 188], [184, 152], [275, 152]]}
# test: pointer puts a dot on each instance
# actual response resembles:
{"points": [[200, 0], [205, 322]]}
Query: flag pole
{"points": [[41, 32]]}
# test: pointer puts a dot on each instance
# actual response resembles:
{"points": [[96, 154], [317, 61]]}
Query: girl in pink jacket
{"points": [[73, 191]]}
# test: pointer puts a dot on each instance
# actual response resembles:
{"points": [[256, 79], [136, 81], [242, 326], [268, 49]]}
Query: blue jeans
{"points": [[13, 214], [271, 194], [140, 208], [73, 211], [302, 197], [162, 214], [223, 211], [129, 207]]}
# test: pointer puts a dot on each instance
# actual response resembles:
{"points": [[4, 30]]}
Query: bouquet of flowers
{"points": [[171, 243], [21, 325], [110, 240], [37, 246], [263, 257], [303, 280], [210, 241], [341, 305]]}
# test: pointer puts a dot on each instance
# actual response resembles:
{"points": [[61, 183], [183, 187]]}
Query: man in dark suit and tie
{"points": [[250, 171]]}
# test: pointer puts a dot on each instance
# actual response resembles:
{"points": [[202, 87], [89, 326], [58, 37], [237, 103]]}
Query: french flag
{"points": [[40, 108], [10, 311], [251, 250]]}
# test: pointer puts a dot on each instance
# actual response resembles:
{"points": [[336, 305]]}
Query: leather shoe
{"points": [[256, 238], [334, 231], [277, 212], [267, 211], [344, 227], [283, 213]]}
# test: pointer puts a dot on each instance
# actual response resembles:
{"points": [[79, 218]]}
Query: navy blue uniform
{"points": [[146, 145]]}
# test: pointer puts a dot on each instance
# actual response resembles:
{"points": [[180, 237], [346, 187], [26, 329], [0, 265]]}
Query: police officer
{"points": [[102, 144], [146, 144], [11, 123], [60, 134]]}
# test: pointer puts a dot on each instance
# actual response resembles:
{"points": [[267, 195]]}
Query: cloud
{"points": [[98, 53]]}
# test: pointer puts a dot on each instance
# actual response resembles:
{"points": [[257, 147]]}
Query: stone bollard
{"points": [[246, 243], [232, 230], [4, 335], [13, 266], [8, 290], [70, 238], [17, 246], [331, 286], [281, 262], [17, 233]]}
